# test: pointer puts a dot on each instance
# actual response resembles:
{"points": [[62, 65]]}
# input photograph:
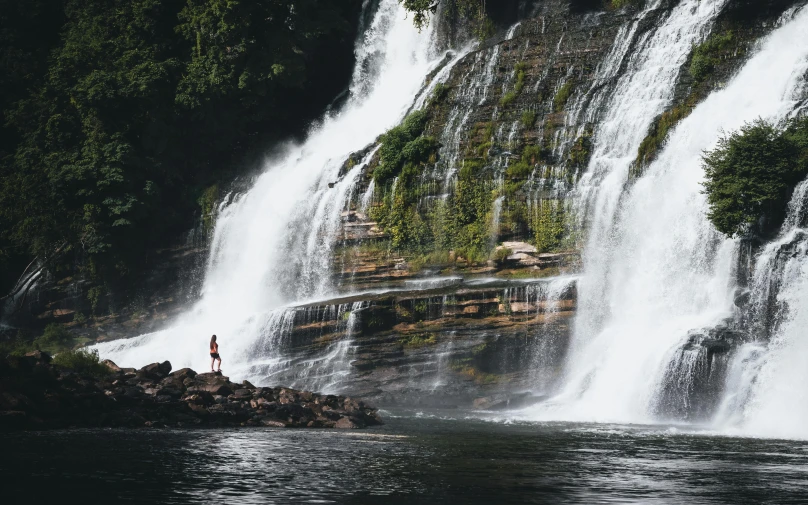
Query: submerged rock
{"points": [[37, 395]]}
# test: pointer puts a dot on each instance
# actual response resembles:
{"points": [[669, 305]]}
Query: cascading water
{"points": [[272, 245], [765, 395], [659, 269]]}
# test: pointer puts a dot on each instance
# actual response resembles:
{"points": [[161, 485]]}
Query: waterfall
{"points": [[655, 269], [272, 245], [765, 395]]}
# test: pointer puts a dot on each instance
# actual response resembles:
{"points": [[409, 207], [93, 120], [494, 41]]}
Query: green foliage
{"points": [[528, 119], [502, 253], [519, 73], [531, 155], [81, 361], [404, 144], [94, 295], [439, 94], [419, 340], [551, 225], [17, 345], [751, 174], [119, 113], [54, 338], [507, 98], [473, 12], [519, 84], [207, 203], [562, 95], [581, 150], [708, 54], [663, 124], [421, 10]]}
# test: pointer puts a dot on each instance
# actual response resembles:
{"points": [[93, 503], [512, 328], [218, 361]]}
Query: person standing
{"points": [[214, 354]]}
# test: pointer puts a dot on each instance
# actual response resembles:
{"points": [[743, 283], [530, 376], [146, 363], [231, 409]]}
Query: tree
{"points": [[751, 174], [127, 110]]}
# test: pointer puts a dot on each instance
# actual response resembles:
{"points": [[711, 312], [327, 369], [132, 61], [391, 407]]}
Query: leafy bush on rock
{"points": [[751, 174]]}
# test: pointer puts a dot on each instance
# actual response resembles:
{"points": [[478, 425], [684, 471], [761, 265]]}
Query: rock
{"points": [[111, 365], [346, 423], [243, 394], [273, 423], [155, 370], [39, 357], [154, 397], [182, 374]]}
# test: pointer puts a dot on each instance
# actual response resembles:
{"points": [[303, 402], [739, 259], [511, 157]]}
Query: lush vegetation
{"points": [[751, 175], [658, 134], [562, 95], [473, 12], [404, 145], [519, 84], [81, 361], [708, 54], [121, 116], [714, 56]]}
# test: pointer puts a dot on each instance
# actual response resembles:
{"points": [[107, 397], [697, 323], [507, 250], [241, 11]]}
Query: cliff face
{"points": [[465, 258]]}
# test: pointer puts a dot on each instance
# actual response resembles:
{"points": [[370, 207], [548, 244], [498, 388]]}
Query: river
{"points": [[426, 457]]}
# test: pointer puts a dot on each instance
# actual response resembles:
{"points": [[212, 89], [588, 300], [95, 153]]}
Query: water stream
{"points": [[658, 269], [273, 244]]}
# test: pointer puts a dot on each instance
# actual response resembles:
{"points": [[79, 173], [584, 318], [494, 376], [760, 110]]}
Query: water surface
{"points": [[415, 458]]}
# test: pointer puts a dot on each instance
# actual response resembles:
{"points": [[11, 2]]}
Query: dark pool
{"points": [[414, 459]]}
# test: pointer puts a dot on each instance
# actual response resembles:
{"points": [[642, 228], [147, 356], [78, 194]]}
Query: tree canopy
{"points": [[751, 174], [119, 113]]}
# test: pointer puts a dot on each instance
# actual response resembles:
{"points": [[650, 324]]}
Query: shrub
{"points": [[528, 119], [54, 338], [507, 99], [519, 170], [549, 223], [502, 254], [81, 361], [751, 174], [519, 73], [707, 54], [403, 144], [561, 96], [438, 94], [419, 340], [580, 151]]}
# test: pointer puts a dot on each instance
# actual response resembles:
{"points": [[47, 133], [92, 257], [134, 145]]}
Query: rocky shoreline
{"points": [[36, 395]]}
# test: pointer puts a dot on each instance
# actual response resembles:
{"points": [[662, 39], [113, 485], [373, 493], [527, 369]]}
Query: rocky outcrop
{"points": [[35, 394], [444, 341]]}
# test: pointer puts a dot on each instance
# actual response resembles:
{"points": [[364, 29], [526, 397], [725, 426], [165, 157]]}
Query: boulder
{"points": [[273, 423], [111, 365], [182, 374], [346, 423], [156, 370], [39, 357]]}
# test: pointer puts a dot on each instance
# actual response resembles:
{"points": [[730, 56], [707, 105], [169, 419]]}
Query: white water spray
{"points": [[273, 244], [655, 268]]}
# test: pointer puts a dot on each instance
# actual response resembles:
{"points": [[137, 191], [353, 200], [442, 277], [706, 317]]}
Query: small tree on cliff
{"points": [[751, 174]]}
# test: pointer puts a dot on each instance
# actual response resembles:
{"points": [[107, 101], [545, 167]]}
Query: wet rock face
{"points": [[446, 343], [37, 395], [693, 383]]}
